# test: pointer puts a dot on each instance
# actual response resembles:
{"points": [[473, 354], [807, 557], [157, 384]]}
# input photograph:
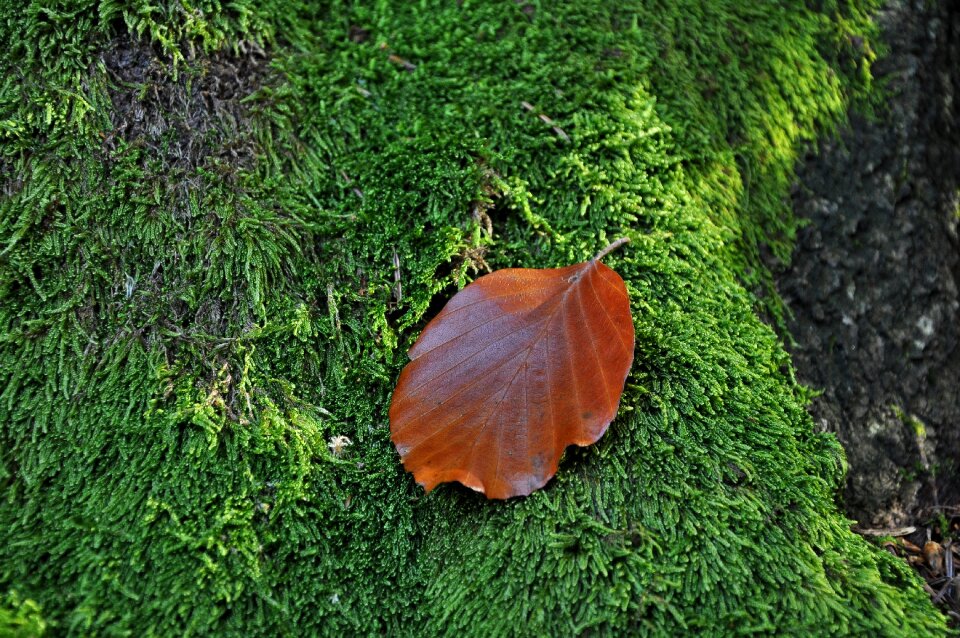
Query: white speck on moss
{"points": [[338, 444]]}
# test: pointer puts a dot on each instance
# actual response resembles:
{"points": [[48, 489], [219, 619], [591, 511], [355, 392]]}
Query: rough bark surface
{"points": [[873, 285]]}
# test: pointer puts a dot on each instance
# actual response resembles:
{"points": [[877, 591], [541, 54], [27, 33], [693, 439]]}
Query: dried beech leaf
{"points": [[517, 366]]}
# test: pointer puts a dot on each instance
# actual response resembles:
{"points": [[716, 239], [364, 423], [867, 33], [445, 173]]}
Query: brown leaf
{"points": [[933, 553], [910, 547], [517, 366]]}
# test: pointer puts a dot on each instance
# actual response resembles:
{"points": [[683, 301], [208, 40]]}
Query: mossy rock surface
{"points": [[201, 213]]}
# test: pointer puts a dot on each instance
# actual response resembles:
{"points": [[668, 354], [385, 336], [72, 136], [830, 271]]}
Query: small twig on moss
{"points": [[397, 287], [546, 120], [894, 531], [356, 191], [396, 59], [406, 64]]}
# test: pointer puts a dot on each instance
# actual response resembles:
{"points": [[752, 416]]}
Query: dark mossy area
{"points": [[202, 210]]}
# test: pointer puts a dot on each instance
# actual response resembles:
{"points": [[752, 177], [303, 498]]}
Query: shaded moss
{"points": [[179, 346]]}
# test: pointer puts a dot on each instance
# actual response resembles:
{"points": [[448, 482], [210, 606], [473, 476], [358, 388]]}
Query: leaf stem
{"points": [[612, 247]]}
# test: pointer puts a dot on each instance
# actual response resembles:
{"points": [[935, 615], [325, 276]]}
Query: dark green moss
{"points": [[181, 339]]}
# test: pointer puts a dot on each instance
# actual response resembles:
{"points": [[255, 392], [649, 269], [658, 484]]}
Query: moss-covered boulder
{"points": [[202, 213]]}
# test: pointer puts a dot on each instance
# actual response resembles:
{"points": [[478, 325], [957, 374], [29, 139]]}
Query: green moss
{"points": [[180, 342], [20, 618]]}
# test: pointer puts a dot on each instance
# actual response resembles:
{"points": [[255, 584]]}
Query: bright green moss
{"points": [[180, 342], [20, 618]]}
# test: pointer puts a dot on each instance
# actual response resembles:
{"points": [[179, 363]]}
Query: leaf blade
{"points": [[518, 365]]}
